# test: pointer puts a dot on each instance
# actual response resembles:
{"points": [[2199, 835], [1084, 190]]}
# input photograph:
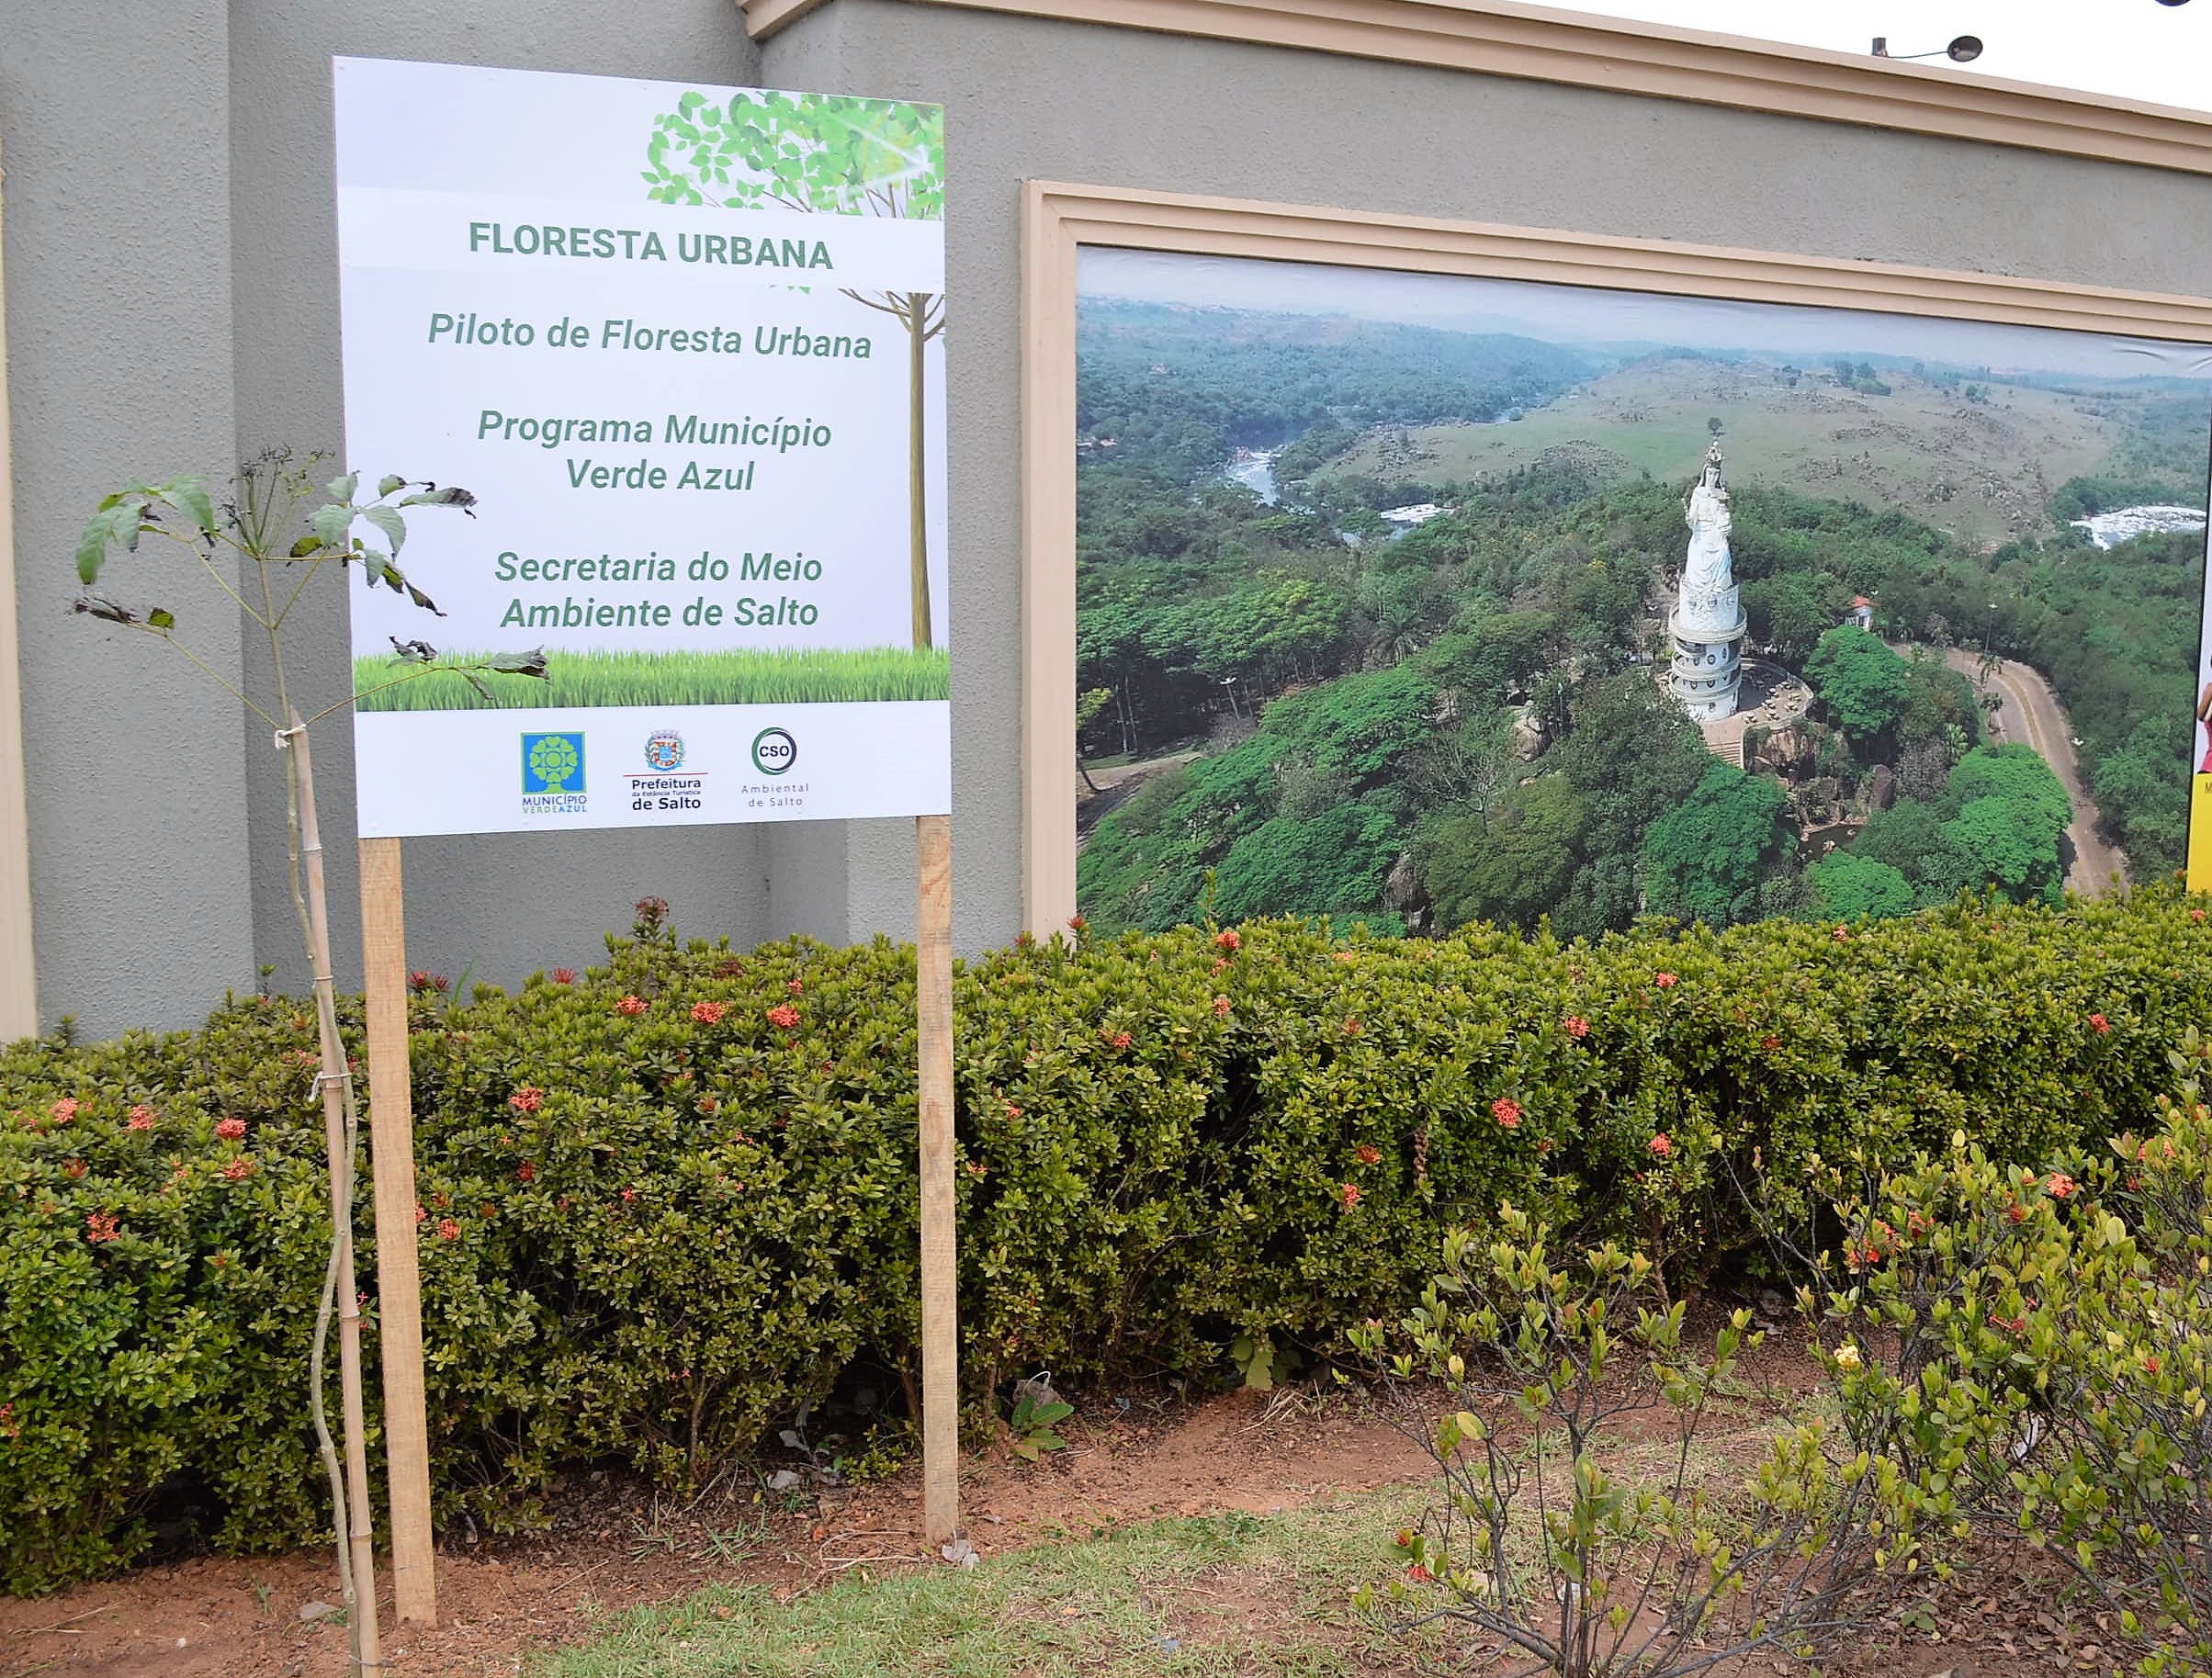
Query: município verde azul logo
{"points": [[552, 763], [773, 752]]}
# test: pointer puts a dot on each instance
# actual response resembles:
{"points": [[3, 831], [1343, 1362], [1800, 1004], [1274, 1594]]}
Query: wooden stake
{"points": [[399, 1281], [940, 1275], [336, 1081]]}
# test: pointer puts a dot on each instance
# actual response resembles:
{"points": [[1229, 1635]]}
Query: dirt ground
{"points": [[613, 1546]]}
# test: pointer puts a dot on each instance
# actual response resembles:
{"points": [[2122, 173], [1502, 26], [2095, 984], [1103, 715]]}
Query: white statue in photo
{"points": [[1707, 570], [1707, 624]]}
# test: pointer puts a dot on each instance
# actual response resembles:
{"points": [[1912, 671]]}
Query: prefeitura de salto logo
{"points": [[664, 749]]}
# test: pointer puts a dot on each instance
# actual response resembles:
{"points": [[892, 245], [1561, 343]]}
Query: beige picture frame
{"points": [[1059, 219]]}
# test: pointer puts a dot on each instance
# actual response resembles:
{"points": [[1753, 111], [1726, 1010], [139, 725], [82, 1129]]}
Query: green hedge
{"points": [[661, 1212]]}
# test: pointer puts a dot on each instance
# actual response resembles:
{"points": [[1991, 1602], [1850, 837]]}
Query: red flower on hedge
{"points": [[527, 1099], [1663, 1145], [1076, 923], [448, 1230], [2060, 1185], [1221, 1008], [229, 1130], [1220, 963], [65, 1109], [1577, 1027], [99, 1227], [1841, 935], [1770, 1043], [421, 980], [2197, 913], [783, 1016], [8, 1428], [141, 1118], [1664, 981], [238, 1170], [1505, 1111], [1350, 1195], [525, 1172], [796, 986], [564, 975], [2016, 1213], [1229, 939], [74, 1168], [1368, 1154], [709, 1013], [1420, 1574], [420, 1214], [630, 1007], [2099, 1024], [2150, 1366]]}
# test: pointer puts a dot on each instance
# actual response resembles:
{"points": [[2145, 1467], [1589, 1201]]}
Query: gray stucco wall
{"points": [[115, 130], [172, 306]]}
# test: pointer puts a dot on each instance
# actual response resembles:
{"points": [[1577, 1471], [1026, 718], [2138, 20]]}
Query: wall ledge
{"points": [[1536, 43]]}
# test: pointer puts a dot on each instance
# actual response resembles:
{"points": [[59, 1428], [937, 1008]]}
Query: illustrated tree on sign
{"points": [[828, 154]]}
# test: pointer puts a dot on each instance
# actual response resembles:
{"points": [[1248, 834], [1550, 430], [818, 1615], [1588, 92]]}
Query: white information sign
{"points": [[682, 345]]}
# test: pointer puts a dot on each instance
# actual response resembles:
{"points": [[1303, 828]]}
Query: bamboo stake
{"points": [[338, 1126], [399, 1280], [939, 1276]]}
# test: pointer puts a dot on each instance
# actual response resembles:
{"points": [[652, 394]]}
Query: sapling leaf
{"points": [[306, 545], [190, 497], [341, 488], [531, 663], [476, 681], [161, 617], [411, 652], [432, 496], [388, 520], [92, 549], [332, 523], [373, 565], [421, 599], [385, 486], [106, 610]]}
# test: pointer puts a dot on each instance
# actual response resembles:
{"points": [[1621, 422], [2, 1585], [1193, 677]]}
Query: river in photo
{"points": [[1256, 471], [2125, 523]]}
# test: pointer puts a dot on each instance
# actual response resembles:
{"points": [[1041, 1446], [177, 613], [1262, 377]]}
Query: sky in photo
{"points": [[1565, 314]]}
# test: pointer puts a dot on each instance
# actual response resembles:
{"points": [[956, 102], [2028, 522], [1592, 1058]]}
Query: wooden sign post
{"points": [[399, 1284], [399, 1281], [940, 1272]]}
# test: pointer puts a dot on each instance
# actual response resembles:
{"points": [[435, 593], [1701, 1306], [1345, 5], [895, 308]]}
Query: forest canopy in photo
{"points": [[1375, 572]]}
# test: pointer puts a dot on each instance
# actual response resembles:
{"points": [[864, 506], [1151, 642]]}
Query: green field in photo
{"points": [[734, 676]]}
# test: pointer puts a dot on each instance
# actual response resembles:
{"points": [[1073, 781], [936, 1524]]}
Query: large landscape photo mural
{"points": [[1415, 601]]}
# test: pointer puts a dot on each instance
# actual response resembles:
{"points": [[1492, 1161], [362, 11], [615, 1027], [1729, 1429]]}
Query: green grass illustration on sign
{"points": [[811, 676]]}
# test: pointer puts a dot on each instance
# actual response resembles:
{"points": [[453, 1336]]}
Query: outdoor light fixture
{"points": [[1963, 50]]}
